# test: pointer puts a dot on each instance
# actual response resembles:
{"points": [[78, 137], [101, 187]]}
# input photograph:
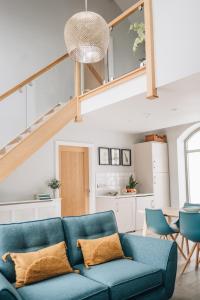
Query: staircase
{"points": [[29, 141], [21, 137], [32, 138]]}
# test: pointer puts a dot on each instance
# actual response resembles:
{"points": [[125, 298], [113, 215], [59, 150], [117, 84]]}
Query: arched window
{"points": [[192, 155]]}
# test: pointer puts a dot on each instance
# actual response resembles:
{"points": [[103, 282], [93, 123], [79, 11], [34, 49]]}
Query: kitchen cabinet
{"points": [[129, 210], [142, 203], [125, 214], [152, 172], [14, 212], [123, 208]]}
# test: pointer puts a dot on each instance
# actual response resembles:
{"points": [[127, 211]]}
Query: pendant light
{"points": [[86, 36]]}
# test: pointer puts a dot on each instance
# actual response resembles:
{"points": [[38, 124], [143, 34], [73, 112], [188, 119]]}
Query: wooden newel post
{"points": [[77, 90], [149, 45]]}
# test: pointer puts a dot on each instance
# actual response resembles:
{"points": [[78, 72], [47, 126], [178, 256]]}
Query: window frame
{"points": [[186, 152]]}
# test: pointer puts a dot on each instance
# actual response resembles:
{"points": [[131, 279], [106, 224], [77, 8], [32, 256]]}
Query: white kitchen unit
{"points": [[22, 211], [123, 208], [152, 171], [129, 209], [141, 203]]}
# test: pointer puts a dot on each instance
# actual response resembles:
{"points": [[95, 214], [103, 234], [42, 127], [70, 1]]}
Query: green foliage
{"points": [[140, 30], [54, 184], [132, 183]]}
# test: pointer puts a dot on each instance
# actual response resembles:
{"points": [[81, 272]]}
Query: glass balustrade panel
{"points": [[52, 88], [127, 45]]}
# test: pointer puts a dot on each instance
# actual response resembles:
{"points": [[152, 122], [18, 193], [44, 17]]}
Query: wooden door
{"points": [[74, 176]]}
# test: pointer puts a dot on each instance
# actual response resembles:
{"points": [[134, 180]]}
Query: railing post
{"points": [[149, 45], [77, 90]]}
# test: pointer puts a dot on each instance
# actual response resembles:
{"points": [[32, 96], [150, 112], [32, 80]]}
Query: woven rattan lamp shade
{"points": [[86, 37]]}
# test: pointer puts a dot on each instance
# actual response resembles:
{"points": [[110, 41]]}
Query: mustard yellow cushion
{"points": [[39, 265], [97, 251]]}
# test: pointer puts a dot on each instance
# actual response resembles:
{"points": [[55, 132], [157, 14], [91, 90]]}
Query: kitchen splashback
{"points": [[106, 182]]}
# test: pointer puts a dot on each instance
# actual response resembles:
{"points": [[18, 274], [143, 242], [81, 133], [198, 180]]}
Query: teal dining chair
{"points": [[176, 224], [156, 222], [190, 228], [188, 204]]}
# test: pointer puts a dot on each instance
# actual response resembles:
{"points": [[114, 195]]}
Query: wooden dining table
{"points": [[170, 213]]}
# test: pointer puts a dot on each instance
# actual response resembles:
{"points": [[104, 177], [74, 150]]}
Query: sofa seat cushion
{"points": [[66, 287], [125, 278]]}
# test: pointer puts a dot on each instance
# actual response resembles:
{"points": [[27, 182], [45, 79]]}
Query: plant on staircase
{"points": [[54, 184]]}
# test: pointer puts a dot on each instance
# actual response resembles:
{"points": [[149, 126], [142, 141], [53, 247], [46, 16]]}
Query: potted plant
{"points": [[139, 28], [54, 184], [131, 187]]}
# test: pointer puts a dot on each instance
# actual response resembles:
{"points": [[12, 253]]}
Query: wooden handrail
{"points": [[149, 47], [126, 13], [150, 65], [102, 88], [34, 76]]}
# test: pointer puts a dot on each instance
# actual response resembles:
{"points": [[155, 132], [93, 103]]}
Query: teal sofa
{"points": [[150, 275]]}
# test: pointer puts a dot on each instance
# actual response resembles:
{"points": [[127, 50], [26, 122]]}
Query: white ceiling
{"points": [[178, 103]]}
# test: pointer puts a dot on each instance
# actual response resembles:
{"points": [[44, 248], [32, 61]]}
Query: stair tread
{"points": [[22, 136]]}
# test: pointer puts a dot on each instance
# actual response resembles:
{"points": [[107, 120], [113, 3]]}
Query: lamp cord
{"points": [[86, 5]]}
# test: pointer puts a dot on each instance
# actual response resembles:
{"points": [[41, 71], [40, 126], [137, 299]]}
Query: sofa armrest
{"points": [[158, 253], [7, 290]]}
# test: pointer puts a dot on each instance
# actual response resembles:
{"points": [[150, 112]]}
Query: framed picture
{"points": [[115, 156], [104, 156], [126, 157]]}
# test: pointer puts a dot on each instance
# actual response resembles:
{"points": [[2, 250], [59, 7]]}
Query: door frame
{"points": [[91, 150]]}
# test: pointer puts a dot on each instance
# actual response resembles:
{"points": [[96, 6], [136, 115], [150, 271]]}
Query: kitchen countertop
{"points": [[125, 195], [25, 202]]}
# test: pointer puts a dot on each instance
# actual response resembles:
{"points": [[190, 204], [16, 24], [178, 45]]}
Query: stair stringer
{"points": [[36, 139]]}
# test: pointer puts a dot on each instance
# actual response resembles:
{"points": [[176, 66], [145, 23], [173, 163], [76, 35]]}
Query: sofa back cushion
{"points": [[26, 237], [87, 227]]}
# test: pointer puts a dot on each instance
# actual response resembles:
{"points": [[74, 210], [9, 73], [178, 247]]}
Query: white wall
{"points": [[173, 134], [32, 176], [176, 37], [32, 33], [175, 137], [31, 37]]}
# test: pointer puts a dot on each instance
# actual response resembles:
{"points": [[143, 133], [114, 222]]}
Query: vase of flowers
{"points": [[54, 184]]}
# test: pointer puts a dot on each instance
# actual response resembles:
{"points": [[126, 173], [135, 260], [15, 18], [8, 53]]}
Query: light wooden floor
{"points": [[187, 285]]}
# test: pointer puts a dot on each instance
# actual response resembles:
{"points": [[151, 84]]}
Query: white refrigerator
{"points": [[152, 171]]}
